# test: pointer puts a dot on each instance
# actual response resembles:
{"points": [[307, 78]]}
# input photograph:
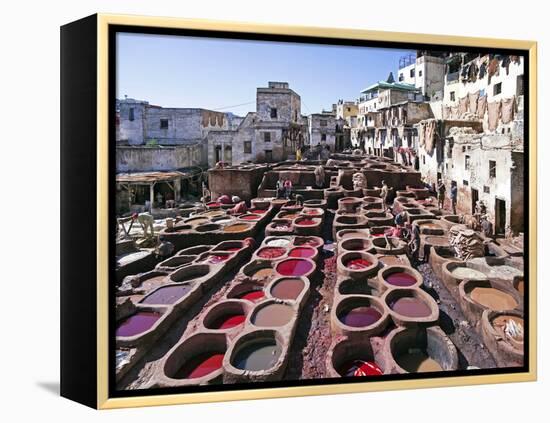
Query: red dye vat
{"points": [[358, 264], [249, 217], [294, 267], [137, 323], [377, 235], [216, 258], [311, 212], [214, 204], [200, 366], [254, 295], [228, 321], [400, 279], [303, 252], [360, 368], [257, 211], [306, 222], [271, 252]]}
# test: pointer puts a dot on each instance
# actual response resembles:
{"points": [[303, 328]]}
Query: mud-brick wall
{"points": [[143, 159], [241, 182]]}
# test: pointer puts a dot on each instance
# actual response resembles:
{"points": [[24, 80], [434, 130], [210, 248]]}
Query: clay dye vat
{"points": [[137, 323], [359, 317], [250, 217], [287, 289], [239, 227], [307, 241], [263, 273], [216, 258], [356, 368], [228, 321], [493, 299], [508, 330], [278, 242], [294, 267], [153, 282], [168, 294], [272, 315], [257, 211], [520, 286], [302, 252], [417, 361], [307, 221], [411, 307], [357, 264], [271, 252], [467, 273], [200, 366], [257, 356], [253, 295], [401, 279]]}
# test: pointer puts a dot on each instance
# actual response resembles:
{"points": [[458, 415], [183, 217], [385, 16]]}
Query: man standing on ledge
{"points": [[441, 194]]}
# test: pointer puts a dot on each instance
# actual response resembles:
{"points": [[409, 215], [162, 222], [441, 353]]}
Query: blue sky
{"points": [[176, 71]]}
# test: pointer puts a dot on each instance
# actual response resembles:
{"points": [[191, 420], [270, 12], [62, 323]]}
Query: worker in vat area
{"points": [[486, 226], [441, 189], [401, 218], [299, 199], [280, 188], [239, 208], [146, 222], [384, 194], [454, 196], [298, 154], [205, 194], [414, 241], [288, 188], [319, 173]]}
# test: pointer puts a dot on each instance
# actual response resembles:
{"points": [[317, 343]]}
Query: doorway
{"points": [[500, 217], [475, 197], [218, 154]]}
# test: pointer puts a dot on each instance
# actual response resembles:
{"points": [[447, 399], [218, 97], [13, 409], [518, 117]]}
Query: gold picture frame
{"points": [[103, 22]]}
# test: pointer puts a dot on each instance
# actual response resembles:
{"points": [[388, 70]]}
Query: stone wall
{"points": [[142, 159], [242, 182]]}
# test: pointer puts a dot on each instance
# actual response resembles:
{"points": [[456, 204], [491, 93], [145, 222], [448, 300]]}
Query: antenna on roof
{"points": [[390, 79]]}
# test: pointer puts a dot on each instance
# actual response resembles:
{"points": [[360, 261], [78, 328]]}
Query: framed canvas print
{"points": [[254, 211]]}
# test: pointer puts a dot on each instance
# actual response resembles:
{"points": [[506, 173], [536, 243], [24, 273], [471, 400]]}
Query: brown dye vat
{"points": [[411, 307], [520, 286], [239, 227], [492, 298], [287, 289], [273, 315], [430, 226], [417, 361], [208, 227], [391, 260], [265, 273], [196, 221], [435, 240]]}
